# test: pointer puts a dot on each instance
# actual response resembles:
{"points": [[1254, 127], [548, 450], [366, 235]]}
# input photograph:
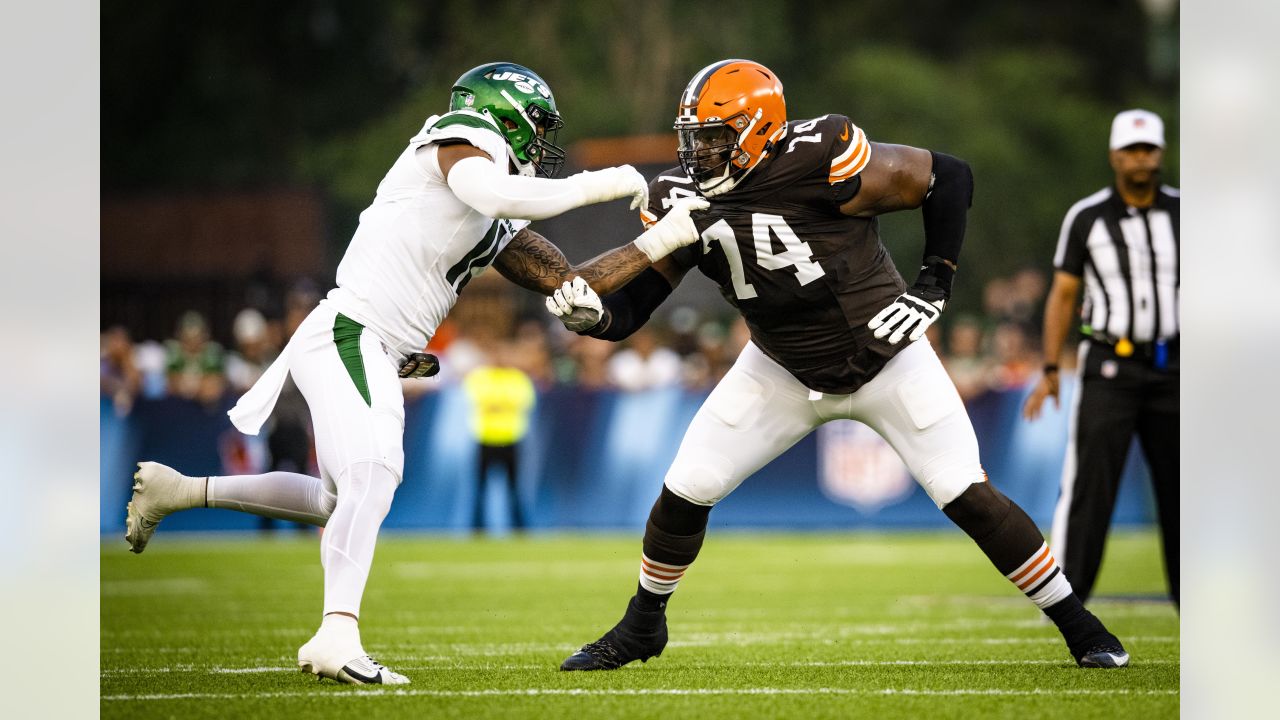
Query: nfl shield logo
{"points": [[856, 467]]}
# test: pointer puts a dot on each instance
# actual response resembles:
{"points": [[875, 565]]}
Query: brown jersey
{"points": [[806, 277]]}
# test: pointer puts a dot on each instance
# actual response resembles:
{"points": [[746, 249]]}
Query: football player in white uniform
{"points": [[458, 199], [792, 239]]}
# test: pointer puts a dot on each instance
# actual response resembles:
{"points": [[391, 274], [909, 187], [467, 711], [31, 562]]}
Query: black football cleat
{"points": [[639, 636], [1098, 649], [1106, 655], [1088, 640]]}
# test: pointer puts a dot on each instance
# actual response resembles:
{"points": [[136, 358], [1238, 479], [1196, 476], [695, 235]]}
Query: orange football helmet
{"points": [[730, 117]]}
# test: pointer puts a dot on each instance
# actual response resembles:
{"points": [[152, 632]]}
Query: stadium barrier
{"points": [[595, 460]]}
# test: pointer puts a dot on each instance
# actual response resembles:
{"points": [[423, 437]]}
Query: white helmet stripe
{"points": [[519, 108]]}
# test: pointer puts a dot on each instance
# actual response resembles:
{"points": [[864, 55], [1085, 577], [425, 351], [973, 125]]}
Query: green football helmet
{"points": [[522, 106]]}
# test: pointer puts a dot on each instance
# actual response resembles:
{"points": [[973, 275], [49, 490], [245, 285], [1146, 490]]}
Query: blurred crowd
{"points": [[997, 350]]}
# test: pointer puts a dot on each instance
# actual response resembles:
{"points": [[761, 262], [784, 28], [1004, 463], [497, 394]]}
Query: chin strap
{"points": [[723, 186]]}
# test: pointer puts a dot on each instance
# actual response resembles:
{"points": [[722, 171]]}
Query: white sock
{"points": [[187, 492], [343, 630], [280, 495], [346, 551]]}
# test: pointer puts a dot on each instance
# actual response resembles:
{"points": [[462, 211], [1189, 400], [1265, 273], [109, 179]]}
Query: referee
{"points": [[1123, 242]]}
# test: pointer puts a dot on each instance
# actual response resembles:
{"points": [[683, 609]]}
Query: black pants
{"points": [[1119, 397], [503, 456]]}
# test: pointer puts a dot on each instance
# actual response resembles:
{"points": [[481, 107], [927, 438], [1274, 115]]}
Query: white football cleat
{"points": [[354, 667], [157, 491]]}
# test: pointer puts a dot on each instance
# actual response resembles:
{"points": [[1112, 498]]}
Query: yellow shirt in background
{"points": [[501, 401]]}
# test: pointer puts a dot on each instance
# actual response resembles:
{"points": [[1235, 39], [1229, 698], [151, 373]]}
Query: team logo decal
{"points": [[523, 83], [856, 467]]}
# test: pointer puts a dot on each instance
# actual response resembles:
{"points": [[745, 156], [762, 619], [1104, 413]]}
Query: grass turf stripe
{"points": [[536, 692]]}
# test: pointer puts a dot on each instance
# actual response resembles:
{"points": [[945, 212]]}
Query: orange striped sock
{"points": [[1041, 578], [659, 578]]}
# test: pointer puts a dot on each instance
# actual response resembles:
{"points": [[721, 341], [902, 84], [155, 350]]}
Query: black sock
{"points": [[1066, 611], [650, 601], [1079, 627], [672, 538]]}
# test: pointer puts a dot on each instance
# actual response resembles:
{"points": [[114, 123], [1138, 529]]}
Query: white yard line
{"points": [[707, 640], [446, 665], [641, 692]]}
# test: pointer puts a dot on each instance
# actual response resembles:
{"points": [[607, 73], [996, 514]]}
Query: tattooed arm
{"points": [[532, 262]]}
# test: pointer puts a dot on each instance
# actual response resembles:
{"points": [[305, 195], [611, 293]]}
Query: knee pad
{"points": [[704, 479], [373, 483], [946, 480]]}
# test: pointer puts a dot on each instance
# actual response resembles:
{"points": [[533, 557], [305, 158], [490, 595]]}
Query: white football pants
{"points": [[351, 385], [759, 410]]}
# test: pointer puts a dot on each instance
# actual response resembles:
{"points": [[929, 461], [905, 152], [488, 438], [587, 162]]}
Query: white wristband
{"points": [[654, 245], [673, 231]]}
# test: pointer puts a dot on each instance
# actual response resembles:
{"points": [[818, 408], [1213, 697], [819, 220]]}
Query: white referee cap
{"points": [[1137, 126]]}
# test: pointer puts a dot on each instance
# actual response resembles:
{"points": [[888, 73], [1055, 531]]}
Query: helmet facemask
{"points": [[711, 152], [541, 149]]}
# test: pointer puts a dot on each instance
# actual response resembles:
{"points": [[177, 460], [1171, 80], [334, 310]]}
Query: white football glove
{"points": [[577, 305], [911, 311], [612, 183], [673, 231]]}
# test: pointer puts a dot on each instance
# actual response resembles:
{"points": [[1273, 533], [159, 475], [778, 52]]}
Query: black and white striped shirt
{"points": [[1129, 260]]}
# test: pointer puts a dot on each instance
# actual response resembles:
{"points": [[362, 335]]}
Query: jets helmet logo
{"points": [[523, 83]]}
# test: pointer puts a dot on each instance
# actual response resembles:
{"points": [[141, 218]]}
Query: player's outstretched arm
{"points": [[899, 178], [532, 262], [618, 314], [476, 181]]}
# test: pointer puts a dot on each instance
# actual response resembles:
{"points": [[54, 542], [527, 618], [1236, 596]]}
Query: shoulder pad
{"points": [[467, 125], [850, 150], [830, 146], [463, 118]]}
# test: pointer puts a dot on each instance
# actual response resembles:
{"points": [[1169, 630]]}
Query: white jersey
{"points": [[418, 245]]}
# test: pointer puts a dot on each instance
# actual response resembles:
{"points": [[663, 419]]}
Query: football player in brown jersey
{"points": [[791, 239]]}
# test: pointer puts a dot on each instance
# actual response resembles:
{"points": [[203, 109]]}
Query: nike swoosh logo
{"points": [[844, 135], [374, 679]]}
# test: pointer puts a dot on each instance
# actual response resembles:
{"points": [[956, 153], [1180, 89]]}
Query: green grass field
{"points": [[763, 626]]}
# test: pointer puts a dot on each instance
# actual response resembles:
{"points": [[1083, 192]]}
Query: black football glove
{"points": [[420, 365]]}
